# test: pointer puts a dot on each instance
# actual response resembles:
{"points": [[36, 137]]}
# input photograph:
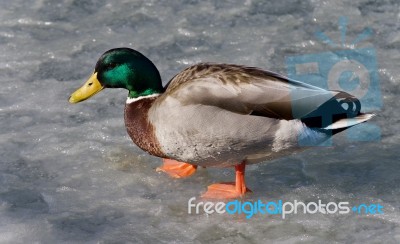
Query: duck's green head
{"points": [[121, 68]]}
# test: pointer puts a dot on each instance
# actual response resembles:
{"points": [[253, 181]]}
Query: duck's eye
{"points": [[91, 83], [112, 65]]}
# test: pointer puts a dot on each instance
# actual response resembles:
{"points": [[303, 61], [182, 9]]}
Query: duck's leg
{"points": [[229, 189], [177, 169]]}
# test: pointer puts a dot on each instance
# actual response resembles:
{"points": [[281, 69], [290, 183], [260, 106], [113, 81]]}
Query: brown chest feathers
{"points": [[139, 128]]}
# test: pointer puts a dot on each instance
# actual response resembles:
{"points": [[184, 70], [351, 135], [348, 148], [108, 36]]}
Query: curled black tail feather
{"points": [[353, 104], [341, 106]]}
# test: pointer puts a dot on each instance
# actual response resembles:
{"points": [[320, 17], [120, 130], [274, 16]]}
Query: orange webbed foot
{"points": [[224, 191], [230, 189], [177, 169]]}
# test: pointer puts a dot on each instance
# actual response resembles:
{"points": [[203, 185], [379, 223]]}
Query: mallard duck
{"points": [[219, 115]]}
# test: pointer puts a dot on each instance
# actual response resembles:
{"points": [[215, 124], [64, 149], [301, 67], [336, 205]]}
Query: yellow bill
{"points": [[90, 88]]}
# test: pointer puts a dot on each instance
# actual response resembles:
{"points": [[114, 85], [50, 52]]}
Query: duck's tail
{"points": [[337, 114], [348, 122]]}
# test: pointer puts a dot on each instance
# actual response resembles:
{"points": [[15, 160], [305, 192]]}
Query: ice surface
{"points": [[70, 174]]}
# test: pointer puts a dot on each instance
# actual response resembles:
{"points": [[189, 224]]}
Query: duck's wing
{"points": [[248, 90]]}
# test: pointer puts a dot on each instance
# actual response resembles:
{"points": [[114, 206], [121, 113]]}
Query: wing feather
{"points": [[248, 90]]}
